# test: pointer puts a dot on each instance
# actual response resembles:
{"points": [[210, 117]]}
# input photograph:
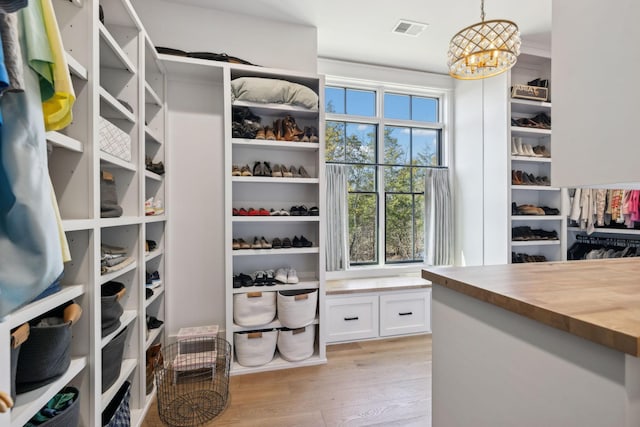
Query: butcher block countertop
{"points": [[598, 300]]}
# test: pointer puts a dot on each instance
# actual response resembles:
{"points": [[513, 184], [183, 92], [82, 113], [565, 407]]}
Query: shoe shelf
{"points": [[625, 231], [276, 288], [157, 293], [276, 218], [531, 159], [515, 243], [266, 109], [128, 365], [268, 143], [113, 161], [527, 106], [276, 364], [28, 404], [284, 251], [151, 97], [60, 140], [272, 325], [75, 67], [525, 131], [153, 254], [111, 54], [111, 108], [126, 318], [150, 136], [153, 335], [36, 308], [277, 180], [155, 218], [536, 217], [152, 176], [114, 275], [534, 188]]}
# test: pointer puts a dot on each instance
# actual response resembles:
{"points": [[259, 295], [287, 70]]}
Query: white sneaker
{"points": [[292, 277], [514, 148], [281, 275]]}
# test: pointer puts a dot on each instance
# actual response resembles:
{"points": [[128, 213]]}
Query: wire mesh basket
{"points": [[192, 379]]}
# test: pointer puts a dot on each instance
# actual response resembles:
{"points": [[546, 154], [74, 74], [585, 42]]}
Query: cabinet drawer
{"points": [[352, 318], [405, 313]]}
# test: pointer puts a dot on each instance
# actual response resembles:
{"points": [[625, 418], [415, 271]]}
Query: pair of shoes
{"points": [[261, 169], [153, 280], [286, 275], [150, 245], [539, 82], [157, 168], [152, 207], [517, 258], [302, 242], [281, 244], [310, 135], [263, 278], [527, 233], [250, 212], [266, 133], [240, 244], [518, 148], [153, 323], [314, 211], [281, 171], [260, 243], [299, 210], [528, 210], [524, 178], [148, 293], [286, 129], [279, 212], [242, 280], [153, 358], [241, 171]]}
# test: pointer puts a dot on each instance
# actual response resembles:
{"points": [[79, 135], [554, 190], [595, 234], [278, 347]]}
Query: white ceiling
{"points": [[360, 30]]}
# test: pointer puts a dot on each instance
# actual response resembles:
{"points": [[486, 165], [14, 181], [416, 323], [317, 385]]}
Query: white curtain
{"points": [[439, 217], [337, 255]]}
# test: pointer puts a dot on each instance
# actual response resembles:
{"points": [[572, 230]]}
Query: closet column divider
{"points": [[228, 203]]}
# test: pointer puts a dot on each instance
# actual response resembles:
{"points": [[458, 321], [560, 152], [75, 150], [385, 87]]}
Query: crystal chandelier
{"points": [[483, 50]]}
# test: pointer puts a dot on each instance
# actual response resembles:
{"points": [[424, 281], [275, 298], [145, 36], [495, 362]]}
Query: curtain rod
{"points": [[380, 164]]}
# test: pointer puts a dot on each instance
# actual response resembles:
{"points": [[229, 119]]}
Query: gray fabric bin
{"points": [[70, 417], [112, 359], [118, 412], [110, 307]]}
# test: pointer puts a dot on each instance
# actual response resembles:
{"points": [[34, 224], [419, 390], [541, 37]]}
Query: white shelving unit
{"points": [[275, 193], [530, 67], [109, 63]]}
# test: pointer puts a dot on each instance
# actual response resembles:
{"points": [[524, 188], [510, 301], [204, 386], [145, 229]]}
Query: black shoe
{"points": [[305, 243], [286, 242], [237, 283], [296, 242], [245, 280], [153, 323]]}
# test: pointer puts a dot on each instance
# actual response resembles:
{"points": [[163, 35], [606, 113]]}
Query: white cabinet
{"points": [[358, 316], [116, 75]]}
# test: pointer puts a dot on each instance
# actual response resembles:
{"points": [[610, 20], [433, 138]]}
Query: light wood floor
{"points": [[372, 383]]}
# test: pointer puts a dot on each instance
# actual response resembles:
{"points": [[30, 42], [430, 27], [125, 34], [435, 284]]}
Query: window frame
{"points": [[380, 89]]}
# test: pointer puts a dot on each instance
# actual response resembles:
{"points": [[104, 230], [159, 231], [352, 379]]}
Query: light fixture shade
{"points": [[485, 49]]}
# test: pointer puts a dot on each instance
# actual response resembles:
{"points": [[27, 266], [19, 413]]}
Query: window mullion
{"points": [[382, 228]]}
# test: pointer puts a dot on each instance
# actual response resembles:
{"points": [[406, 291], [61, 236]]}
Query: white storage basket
{"points": [[255, 348], [296, 344], [114, 140], [254, 309], [297, 308]]}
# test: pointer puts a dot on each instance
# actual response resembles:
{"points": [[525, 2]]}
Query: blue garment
{"points": [[4, 75], [30, 252]]}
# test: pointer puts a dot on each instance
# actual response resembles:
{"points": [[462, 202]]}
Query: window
{"points": [[388, 139]]}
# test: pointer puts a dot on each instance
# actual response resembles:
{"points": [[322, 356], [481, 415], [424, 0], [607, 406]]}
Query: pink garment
{"points": [[634, 209]]}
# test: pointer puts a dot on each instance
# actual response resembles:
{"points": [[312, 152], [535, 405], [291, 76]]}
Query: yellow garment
{"points": [[57, 110], [64, 245]]}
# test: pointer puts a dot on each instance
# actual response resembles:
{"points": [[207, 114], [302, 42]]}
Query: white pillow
{"points": [[258, 89]]}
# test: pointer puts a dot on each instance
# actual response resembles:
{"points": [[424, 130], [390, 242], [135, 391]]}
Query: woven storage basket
{"points": [[70, 417], [296, 344], [297, 308], [111, 309], [118, 413], [255, 348], [254, 309], [46, 355], [112, 359]]}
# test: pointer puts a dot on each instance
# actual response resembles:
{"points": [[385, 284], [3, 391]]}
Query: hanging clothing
{"points": [[12, 53], [10, 6], [29, 241], [57, 109], [39, 55]]}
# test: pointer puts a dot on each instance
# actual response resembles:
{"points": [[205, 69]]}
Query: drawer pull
{"points": [[406, 313], [351, 318]]}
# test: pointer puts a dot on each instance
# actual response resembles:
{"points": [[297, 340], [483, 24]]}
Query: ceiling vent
{"points": [[409, 28]]}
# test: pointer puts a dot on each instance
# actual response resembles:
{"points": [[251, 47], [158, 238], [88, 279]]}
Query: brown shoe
{"points": [[278, 130], [291, 130], [261, 134], [269, 134]]}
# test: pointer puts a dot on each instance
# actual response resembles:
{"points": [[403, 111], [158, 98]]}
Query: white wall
{"points": [[596, 99], [259, 41]]}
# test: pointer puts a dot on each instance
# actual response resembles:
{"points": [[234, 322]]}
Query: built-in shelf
{"points": [[625, 231], [29, 403], [276, 364], [157, 292], [271, 180], [128, 365], [78, 224], [266, 109], [535, 242], [193, 69], [114, 275], [151, 97], [153, 254], [276, 218], [534, 187], [267, 143], [527, 106], [76, 68], [153, 335], [60, 140], [276, 288], [530, 159], [37, 308], [155, 218], [271, 325], [152, 176], [536, 217], [532, 132], [150, 136], [127, 317], [287, 251], [111, 54], [111, 108], [120, 221], [113, 161]]}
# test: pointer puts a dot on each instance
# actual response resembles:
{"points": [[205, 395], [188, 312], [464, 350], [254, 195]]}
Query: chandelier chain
{"points": [[482, 10]]}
